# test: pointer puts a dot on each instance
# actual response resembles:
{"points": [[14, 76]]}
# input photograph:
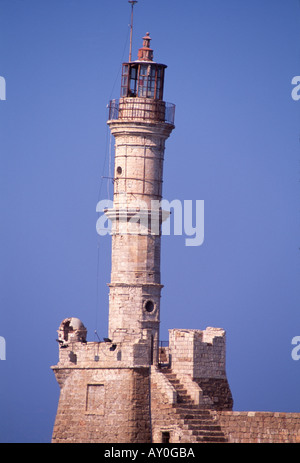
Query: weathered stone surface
{"points": [[103, 405], [135, 287], [260, 427], [198, 353], [111, 393]]}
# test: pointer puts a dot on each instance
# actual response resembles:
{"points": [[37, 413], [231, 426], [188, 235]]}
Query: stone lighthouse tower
{"points": [[140, 122], [106, 386], [128, 389]]}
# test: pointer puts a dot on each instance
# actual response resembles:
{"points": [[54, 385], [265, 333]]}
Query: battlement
{"points": [[198, 353], [194, 353], [104, 355], [125, 351]]}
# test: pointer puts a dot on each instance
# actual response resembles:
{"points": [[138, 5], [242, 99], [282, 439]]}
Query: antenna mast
{"points": [[133, 2]]}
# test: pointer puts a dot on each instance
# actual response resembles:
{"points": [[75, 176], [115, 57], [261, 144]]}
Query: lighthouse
{"points": [[127, 388], [140, 121], [106, 386]]}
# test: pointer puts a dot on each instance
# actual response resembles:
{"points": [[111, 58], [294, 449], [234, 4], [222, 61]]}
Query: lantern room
{"points": [[143, 78]]}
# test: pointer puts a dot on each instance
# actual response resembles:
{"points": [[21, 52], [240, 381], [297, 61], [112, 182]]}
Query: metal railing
{"points": [[141, 109], [163, 343]]}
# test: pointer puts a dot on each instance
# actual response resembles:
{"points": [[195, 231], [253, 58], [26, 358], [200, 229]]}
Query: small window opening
{"points": [[149, 306], [165, 437], [73, 357], [66, 330], [119, 170]]}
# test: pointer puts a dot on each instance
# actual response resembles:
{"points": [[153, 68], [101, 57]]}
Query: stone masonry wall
{"points": [[104, 392], [260, 427], [134, 300], [102, 405], [201, 356], [218, 391], [198, 353], [127, 354]]}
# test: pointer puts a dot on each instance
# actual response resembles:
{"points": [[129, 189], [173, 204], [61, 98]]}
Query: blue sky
{"points": [[235, 146]]}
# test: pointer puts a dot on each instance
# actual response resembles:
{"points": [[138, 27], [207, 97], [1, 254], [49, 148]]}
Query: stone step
{"points": [[183, 400], [171, 377], [185, 395], [178, 386], [181, 391], [173, 380], [182, 396], [202, 419], [205, 425], [202, 432], [196, 419], [211, 439], [207, 428], [193, 411], [206, 435], [198, 422]]}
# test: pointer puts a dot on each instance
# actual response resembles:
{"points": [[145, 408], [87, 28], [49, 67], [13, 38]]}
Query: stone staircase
{"points": [[197, 420]]}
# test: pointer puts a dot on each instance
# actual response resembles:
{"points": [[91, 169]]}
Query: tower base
{"points": [[111, 393]]}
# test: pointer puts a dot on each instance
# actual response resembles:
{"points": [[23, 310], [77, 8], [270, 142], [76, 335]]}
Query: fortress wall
{"points": [[260, 427]]}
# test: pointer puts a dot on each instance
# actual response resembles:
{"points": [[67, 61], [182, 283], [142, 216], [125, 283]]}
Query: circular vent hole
{"points": [[149, 306], [119, 170]]}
